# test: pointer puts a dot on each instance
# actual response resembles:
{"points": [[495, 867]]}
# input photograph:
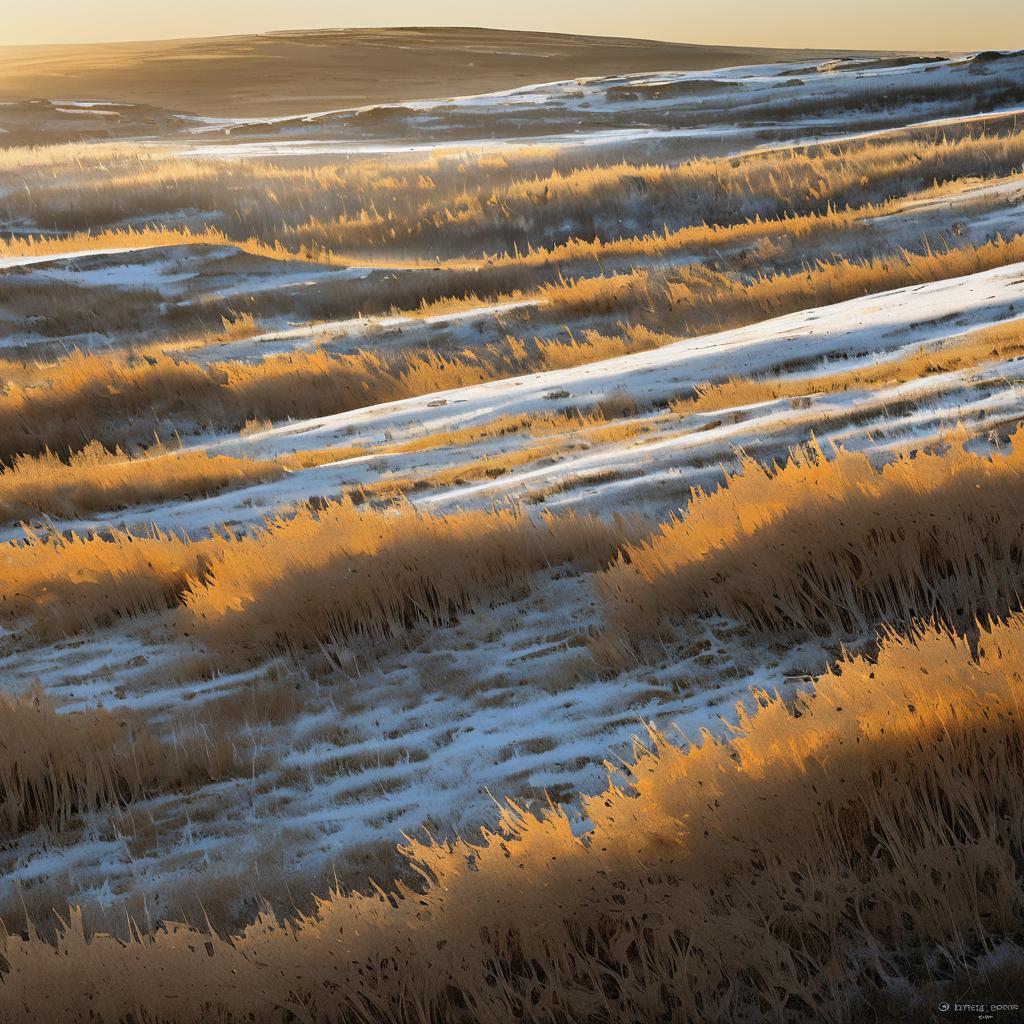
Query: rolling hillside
{"points": [[633, 442]]}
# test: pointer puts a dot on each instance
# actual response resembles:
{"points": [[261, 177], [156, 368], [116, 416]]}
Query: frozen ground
{"points": [[509, 700], [714, 110], [669, 453]]}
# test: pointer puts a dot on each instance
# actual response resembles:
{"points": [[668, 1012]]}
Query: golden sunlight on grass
{"points": [[360, 466], [151, 237], [67, 584], [120, 400], [343, 572], [442, 207], [117, 400], [96, 480], [347, 573], [734, 879], [973, 350], [830, 543]]}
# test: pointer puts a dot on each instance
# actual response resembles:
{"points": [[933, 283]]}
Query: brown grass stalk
{"points": [[54, 765], [97, 480]]}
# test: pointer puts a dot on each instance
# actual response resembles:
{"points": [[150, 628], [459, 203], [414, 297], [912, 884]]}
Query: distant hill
{"points": [[293, 72]]}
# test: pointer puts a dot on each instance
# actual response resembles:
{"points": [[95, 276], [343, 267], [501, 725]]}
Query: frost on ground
{"points": [[591, 295]]}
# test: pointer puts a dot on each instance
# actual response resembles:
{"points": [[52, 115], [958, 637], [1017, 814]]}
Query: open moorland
{"points": [[480, 550]]}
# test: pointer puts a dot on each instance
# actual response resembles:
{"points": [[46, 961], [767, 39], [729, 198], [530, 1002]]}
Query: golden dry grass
{"points": [[153, 237], [537, 424], [121, 401], [819, 854], [720, 192], [693, 300], [569, 430], [962, 352], [111, 238], [336, 575], [697, 237], [97, 480], [66, 584], [117, 400], [345, 573], [526, 206], [54, 766], [592, 424], [715, 297], [619, 293], [784, 228], [487, 467], [793, 871], [831, 543], [428, 371]]}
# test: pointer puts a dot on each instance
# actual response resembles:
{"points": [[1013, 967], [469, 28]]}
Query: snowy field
{"points": [[592, 295]]}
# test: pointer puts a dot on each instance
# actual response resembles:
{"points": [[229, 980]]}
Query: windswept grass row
{"points": [[339, 574], [963, 352], [510, 205], [829, 543], [119, 401], [802, 869], [55, 765], [63, 585], [345, 573], [97, 480]]}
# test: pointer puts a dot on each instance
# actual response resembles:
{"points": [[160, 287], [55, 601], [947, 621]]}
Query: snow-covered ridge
{"points": [[729, 108], [877, 328]]}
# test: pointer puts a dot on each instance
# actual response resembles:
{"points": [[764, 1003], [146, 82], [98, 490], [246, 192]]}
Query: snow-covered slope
{"points": [[364, 742], [657, 467]]}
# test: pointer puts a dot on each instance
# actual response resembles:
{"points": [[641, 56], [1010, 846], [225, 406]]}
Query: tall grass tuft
{"points": [[54, 765], [830, 543], [347, 573]]}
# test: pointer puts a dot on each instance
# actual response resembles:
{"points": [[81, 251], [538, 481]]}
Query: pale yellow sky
{"points": [[856, 24]]}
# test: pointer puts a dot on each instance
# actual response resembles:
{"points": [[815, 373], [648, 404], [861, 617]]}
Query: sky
{"points": [[854, 24]]}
